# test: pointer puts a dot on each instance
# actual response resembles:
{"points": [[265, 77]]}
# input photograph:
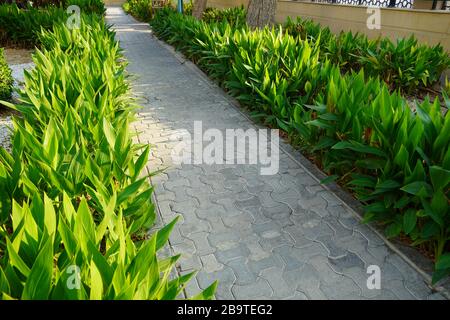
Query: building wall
{"points": [[114, 2]]}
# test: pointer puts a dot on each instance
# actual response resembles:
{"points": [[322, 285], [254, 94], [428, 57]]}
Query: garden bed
{"points": [[74, 177]]}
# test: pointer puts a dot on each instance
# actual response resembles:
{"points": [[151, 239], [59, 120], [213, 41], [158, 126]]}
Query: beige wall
{"points": [[429, 26], [224, 4], [114, 2]]}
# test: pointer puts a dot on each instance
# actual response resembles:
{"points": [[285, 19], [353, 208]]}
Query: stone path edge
{"points": [[414, 258]]}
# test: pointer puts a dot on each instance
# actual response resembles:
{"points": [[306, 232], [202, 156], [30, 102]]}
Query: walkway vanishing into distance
{"points": [[282, 236]]}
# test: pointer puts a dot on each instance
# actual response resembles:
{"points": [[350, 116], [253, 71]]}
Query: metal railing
{"points": [[436, 5]]}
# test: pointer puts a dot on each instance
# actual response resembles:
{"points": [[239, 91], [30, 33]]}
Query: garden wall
{"points": [[429, 26], [114, 2]]}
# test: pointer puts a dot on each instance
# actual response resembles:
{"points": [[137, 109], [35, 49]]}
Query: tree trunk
{"points": [[199, 8], [261, 12]]}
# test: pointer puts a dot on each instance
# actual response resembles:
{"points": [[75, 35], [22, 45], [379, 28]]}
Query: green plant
{"points": [[235, 16], [76, 198], [446, 88], [61, 253], [404, 64], [86, 6], [142, 10], [21, 27], [6, 80]]}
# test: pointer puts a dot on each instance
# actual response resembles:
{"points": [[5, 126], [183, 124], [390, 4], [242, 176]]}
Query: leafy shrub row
{"points": [[234, 16], [396, 161], [6, 80], [405, 64], [21, 27], [87, 6], [76, 205], [142, 10]]}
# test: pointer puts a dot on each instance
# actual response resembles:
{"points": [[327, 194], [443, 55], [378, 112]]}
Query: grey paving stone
{"points": [[192, 288], [257, 251], [327, 274], [210, 263], [224, 240], [252, 202], [201, 243], [349, 260], [244, 275], [339, 230], [224, 276], [344, 288], [290, 260], [309, 283], [281, 289], [271, 261], [254, 290], [436, 296], [223, 291], [297, 296], [398, 288], [334, 251], [227, 255]]}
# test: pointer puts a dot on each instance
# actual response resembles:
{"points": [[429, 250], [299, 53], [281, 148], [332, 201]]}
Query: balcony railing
{"points": [[435, 4]]}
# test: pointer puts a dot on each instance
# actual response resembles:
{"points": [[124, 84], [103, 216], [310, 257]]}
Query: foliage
{"points": [[404, 64], [74, 194], [396, 161], [142, 10], [86, 6], [446, 88], [234, 16], [20, 27], [6, 80]]}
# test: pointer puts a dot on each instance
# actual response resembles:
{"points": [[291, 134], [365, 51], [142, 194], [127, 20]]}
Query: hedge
{"points": [[76, 205], [6, 80]]}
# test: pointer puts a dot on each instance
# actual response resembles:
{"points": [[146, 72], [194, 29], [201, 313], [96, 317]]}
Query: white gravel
{"points": [[5, 124], [5, 119]]}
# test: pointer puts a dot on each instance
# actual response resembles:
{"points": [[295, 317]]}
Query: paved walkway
{"points": [[263, 237]]}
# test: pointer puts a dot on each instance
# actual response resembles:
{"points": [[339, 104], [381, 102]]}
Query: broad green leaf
{"points": [[207, 294], [96, 283], [39, 281], [16, 260], [163, 234], [418, 188], [440, 177], [409, 220]]}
